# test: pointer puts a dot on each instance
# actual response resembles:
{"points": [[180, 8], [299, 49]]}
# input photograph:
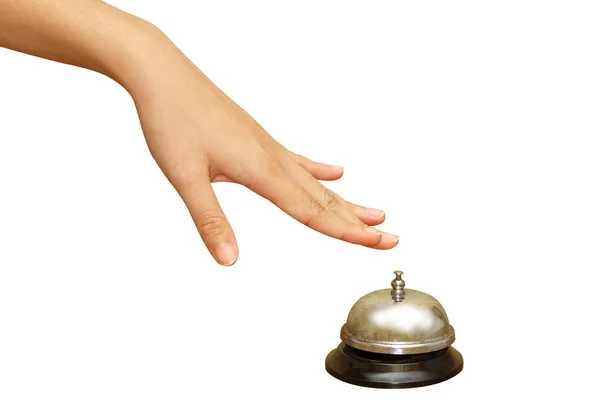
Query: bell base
{"points": [[385, 371]]}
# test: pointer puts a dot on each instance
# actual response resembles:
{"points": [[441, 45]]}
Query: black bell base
{"points": [[384, 371]]}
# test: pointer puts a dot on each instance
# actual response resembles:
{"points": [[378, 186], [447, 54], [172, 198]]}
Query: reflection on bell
{"points": [[395, 339]]}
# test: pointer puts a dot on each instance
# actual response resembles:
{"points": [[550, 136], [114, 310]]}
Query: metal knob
{"points": [[398, 287]]}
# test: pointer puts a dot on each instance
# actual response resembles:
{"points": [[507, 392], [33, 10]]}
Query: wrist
{"points": [[148, 62], [141, 58], [131, 46]]}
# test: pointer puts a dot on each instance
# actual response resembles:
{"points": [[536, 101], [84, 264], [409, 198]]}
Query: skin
{"points": [[195, 132]]}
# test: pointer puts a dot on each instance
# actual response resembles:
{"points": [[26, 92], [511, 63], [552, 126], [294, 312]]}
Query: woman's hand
{"points": [[197, 135]]}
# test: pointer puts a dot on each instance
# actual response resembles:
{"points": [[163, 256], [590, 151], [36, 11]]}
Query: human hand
{"points": [[198, 135]]}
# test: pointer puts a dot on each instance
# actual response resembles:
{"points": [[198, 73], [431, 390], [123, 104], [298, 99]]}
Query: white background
{"points": [[473, 124]]}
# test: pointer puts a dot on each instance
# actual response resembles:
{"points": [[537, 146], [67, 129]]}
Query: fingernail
{"points": [[388, 237], [225, 254], [338, 168], [375, 212], [372, 230]]}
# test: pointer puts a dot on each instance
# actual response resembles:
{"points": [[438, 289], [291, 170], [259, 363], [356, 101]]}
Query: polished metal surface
{"points": [[414, 322]]}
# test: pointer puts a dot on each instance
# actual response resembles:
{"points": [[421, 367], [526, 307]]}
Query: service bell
{"points": [[394, 339]]}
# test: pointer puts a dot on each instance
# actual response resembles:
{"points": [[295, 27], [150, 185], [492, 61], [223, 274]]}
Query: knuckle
{"points": [[184, 172], [332, 201], [211, 223], [315, 211], [317, 207], [321, 208]]}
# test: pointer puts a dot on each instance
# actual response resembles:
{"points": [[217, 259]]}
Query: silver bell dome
{"points": [[397, 321]]}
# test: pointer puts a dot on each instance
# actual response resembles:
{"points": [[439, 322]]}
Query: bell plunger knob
{"points": [[398, 287]]}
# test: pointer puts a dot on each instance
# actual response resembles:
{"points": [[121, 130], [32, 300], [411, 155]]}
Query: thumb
{"points": [[214, 228]]}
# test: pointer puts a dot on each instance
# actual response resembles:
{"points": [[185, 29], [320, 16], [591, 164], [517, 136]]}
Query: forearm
{"points": [[86, 33]]}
